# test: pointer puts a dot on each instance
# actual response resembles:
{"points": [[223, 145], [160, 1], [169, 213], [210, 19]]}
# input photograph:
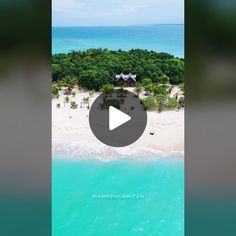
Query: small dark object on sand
{"points": [[152, 133], [70, 117]]}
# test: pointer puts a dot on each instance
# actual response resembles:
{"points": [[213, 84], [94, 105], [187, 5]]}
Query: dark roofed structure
{"points": [[126, 80]]}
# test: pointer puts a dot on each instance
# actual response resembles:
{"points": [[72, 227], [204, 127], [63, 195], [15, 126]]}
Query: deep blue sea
{"points": [[160, 38]]}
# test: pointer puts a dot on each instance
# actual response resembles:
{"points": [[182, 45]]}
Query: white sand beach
{"points": [[72, 125]]}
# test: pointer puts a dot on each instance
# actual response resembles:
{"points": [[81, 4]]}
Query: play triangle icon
{"points": [[117, 118]]}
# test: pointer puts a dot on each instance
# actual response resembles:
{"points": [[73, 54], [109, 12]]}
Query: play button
{"points": [[117, 119]]}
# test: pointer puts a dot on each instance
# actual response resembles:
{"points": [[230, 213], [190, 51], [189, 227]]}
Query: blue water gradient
{"points": [[80, 209], [160, 38]]}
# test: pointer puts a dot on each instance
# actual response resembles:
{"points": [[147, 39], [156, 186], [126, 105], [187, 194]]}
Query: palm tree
{"points": [[86, 101], [67, 99], [107, 89], [91, 92], [148, 88], [68, 81], [122, 92], [73, 105], [138, 89]]}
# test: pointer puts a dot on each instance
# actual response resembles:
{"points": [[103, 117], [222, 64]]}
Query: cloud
{"points": [[116, 12]]}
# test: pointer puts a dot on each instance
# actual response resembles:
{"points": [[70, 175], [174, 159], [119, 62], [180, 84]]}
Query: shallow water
{"points": [[123, 197], [160, 38]]}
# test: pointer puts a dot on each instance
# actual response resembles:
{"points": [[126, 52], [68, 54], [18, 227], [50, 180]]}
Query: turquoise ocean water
{"points": [[81, 209], [161, 38]]}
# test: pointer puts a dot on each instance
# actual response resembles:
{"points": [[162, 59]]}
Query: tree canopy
{"points": [[96, 67]]}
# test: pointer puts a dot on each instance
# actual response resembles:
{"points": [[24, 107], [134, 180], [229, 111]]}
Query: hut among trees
{"points": [[126, 80]]}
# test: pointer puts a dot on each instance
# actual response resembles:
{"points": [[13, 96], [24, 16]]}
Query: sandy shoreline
{"points": [[71, 128]]}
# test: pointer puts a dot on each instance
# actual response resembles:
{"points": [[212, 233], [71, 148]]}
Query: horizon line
{"points": [[70, 26]]}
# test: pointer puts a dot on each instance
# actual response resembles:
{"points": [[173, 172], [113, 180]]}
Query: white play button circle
{"points": [[117, 118]]}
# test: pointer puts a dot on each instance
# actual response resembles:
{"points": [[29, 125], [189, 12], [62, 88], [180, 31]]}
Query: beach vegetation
{"points": [[66, 99], [162, 89], [162, 99], [55, 90], [150, 103], [181, 87], [94, 68], [73, 105], [161, 107], [169, 90], [107, 89], [181, 101], [146, 82], [91, 92], [86, 101], [68, 81], [173, 103], [154, 89], [138, 89], [148, 88], [80, 88], [121, 92]]}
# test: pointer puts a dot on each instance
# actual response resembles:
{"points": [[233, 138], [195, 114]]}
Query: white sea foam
{"points": [[92, 151]]}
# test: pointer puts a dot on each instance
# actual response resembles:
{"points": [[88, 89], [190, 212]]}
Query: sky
{"points": [[116, 12]]}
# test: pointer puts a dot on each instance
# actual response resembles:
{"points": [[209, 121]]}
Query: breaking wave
{"points": [[93, 151]]}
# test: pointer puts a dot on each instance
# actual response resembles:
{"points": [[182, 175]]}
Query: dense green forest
{"points": [[96, 67]]}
